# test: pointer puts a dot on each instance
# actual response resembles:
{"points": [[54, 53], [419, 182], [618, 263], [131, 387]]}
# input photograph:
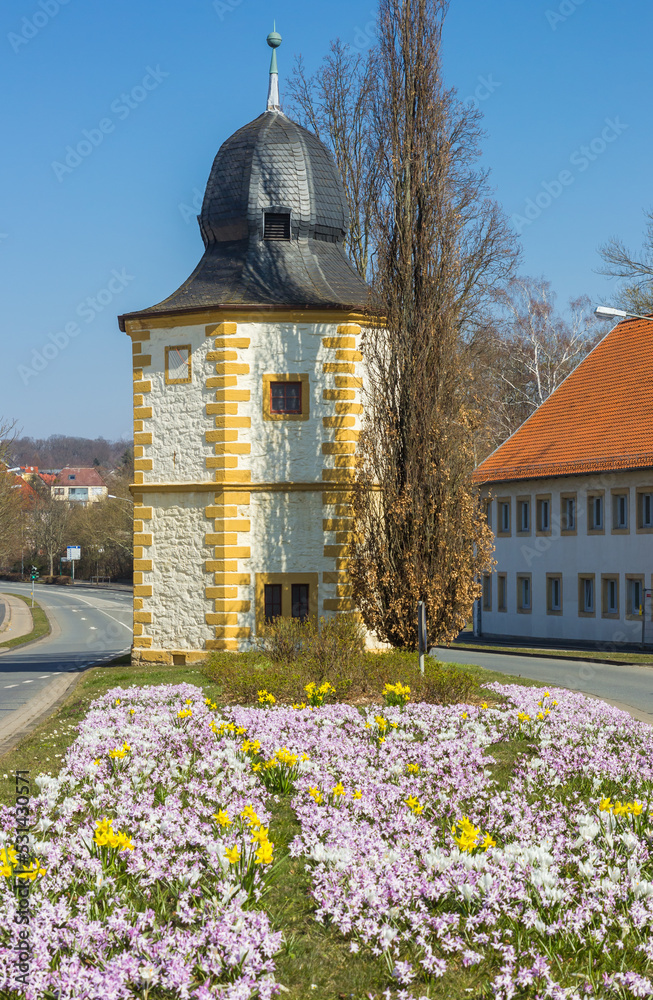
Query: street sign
{"points": [[73, 552]]}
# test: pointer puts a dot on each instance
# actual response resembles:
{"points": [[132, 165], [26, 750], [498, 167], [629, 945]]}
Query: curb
{"points": [[53, 632], [24, 720], [541, 656]]}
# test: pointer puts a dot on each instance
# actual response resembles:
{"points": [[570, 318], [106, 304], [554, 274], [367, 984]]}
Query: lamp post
{"points": [[609, 312], [112, 496]]}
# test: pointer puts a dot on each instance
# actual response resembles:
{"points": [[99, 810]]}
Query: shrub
{"points": [[292, 655]]}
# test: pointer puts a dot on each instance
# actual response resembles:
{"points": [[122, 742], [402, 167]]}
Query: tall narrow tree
{"points": [[443, 243]]}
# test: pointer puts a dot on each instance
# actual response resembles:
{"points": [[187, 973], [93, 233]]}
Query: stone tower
{"points": [[246, 404]]}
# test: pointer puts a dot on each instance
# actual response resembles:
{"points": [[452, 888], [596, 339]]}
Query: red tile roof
{"points": [[601, 417], [83, 477]]}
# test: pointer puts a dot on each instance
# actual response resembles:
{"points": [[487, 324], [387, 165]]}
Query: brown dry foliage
{"points": [[442, 243]]}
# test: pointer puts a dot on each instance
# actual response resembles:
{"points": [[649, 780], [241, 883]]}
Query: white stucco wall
{"points": [[178, 575], [286, 532], [612, 552]]}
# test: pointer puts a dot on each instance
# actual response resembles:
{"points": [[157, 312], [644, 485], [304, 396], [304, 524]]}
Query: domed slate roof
{"points": [[272, 165]]}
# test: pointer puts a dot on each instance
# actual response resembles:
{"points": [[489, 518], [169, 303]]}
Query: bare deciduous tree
{"points": [[48, 521], [526, 351], [336, 103], [10, 496], [443, 244], [635, 269]]}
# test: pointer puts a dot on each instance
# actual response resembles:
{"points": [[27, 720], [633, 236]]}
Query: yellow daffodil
{"points": [[232, 854], [222, 817], [357, 794], [339, 789], [264, 854]]}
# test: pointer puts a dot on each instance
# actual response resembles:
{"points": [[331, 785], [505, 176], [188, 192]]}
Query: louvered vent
{"points": [[277, 226]]}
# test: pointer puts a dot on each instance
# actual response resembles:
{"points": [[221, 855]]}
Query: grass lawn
{"points": [[39, 621], [610, 656]]}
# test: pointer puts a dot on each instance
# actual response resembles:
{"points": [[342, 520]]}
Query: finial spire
{"points": [[274, 41]]}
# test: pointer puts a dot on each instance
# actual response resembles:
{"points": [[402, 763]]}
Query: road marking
{"points": [[43, 676], [93, 628], [10, 686], [28, 682], [83, 619]]}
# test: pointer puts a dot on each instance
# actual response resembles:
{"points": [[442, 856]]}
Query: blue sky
{"points": [[152, 88]]}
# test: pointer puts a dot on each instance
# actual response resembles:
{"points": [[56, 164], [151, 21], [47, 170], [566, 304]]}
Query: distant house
{"points": [[79, 486], [570, 501]]}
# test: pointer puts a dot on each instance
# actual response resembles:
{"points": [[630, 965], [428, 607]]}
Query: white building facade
{"points": [[570, 501], [573, 559]]}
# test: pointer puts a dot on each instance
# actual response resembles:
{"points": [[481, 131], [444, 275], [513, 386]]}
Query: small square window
{"points": [[285, 397], [178, 364], [72, 477]]}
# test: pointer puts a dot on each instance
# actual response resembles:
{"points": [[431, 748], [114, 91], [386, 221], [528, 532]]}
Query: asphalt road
{"points": [[628, 686], [88, 626]]}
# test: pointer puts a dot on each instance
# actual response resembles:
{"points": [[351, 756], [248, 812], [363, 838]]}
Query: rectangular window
{"points": [[178, 364], [285, 397], [586, 594], [595, 512], [544, 515], [487, 592], [644, 511], [291, 595], [272, 601], [634, 596], [59, 491], [300, 602], [610, 597], [523, 516], [553, 593], [276, 226], [504, 517], [524, 598], [620, 511], [502, 592], [568, 513]]}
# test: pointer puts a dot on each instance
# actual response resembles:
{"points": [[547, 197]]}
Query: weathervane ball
{"points": [[274, 39]]}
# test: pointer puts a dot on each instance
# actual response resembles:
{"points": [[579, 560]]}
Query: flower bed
{"points": [[419, 855], [515, 841], [149, 840]]}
